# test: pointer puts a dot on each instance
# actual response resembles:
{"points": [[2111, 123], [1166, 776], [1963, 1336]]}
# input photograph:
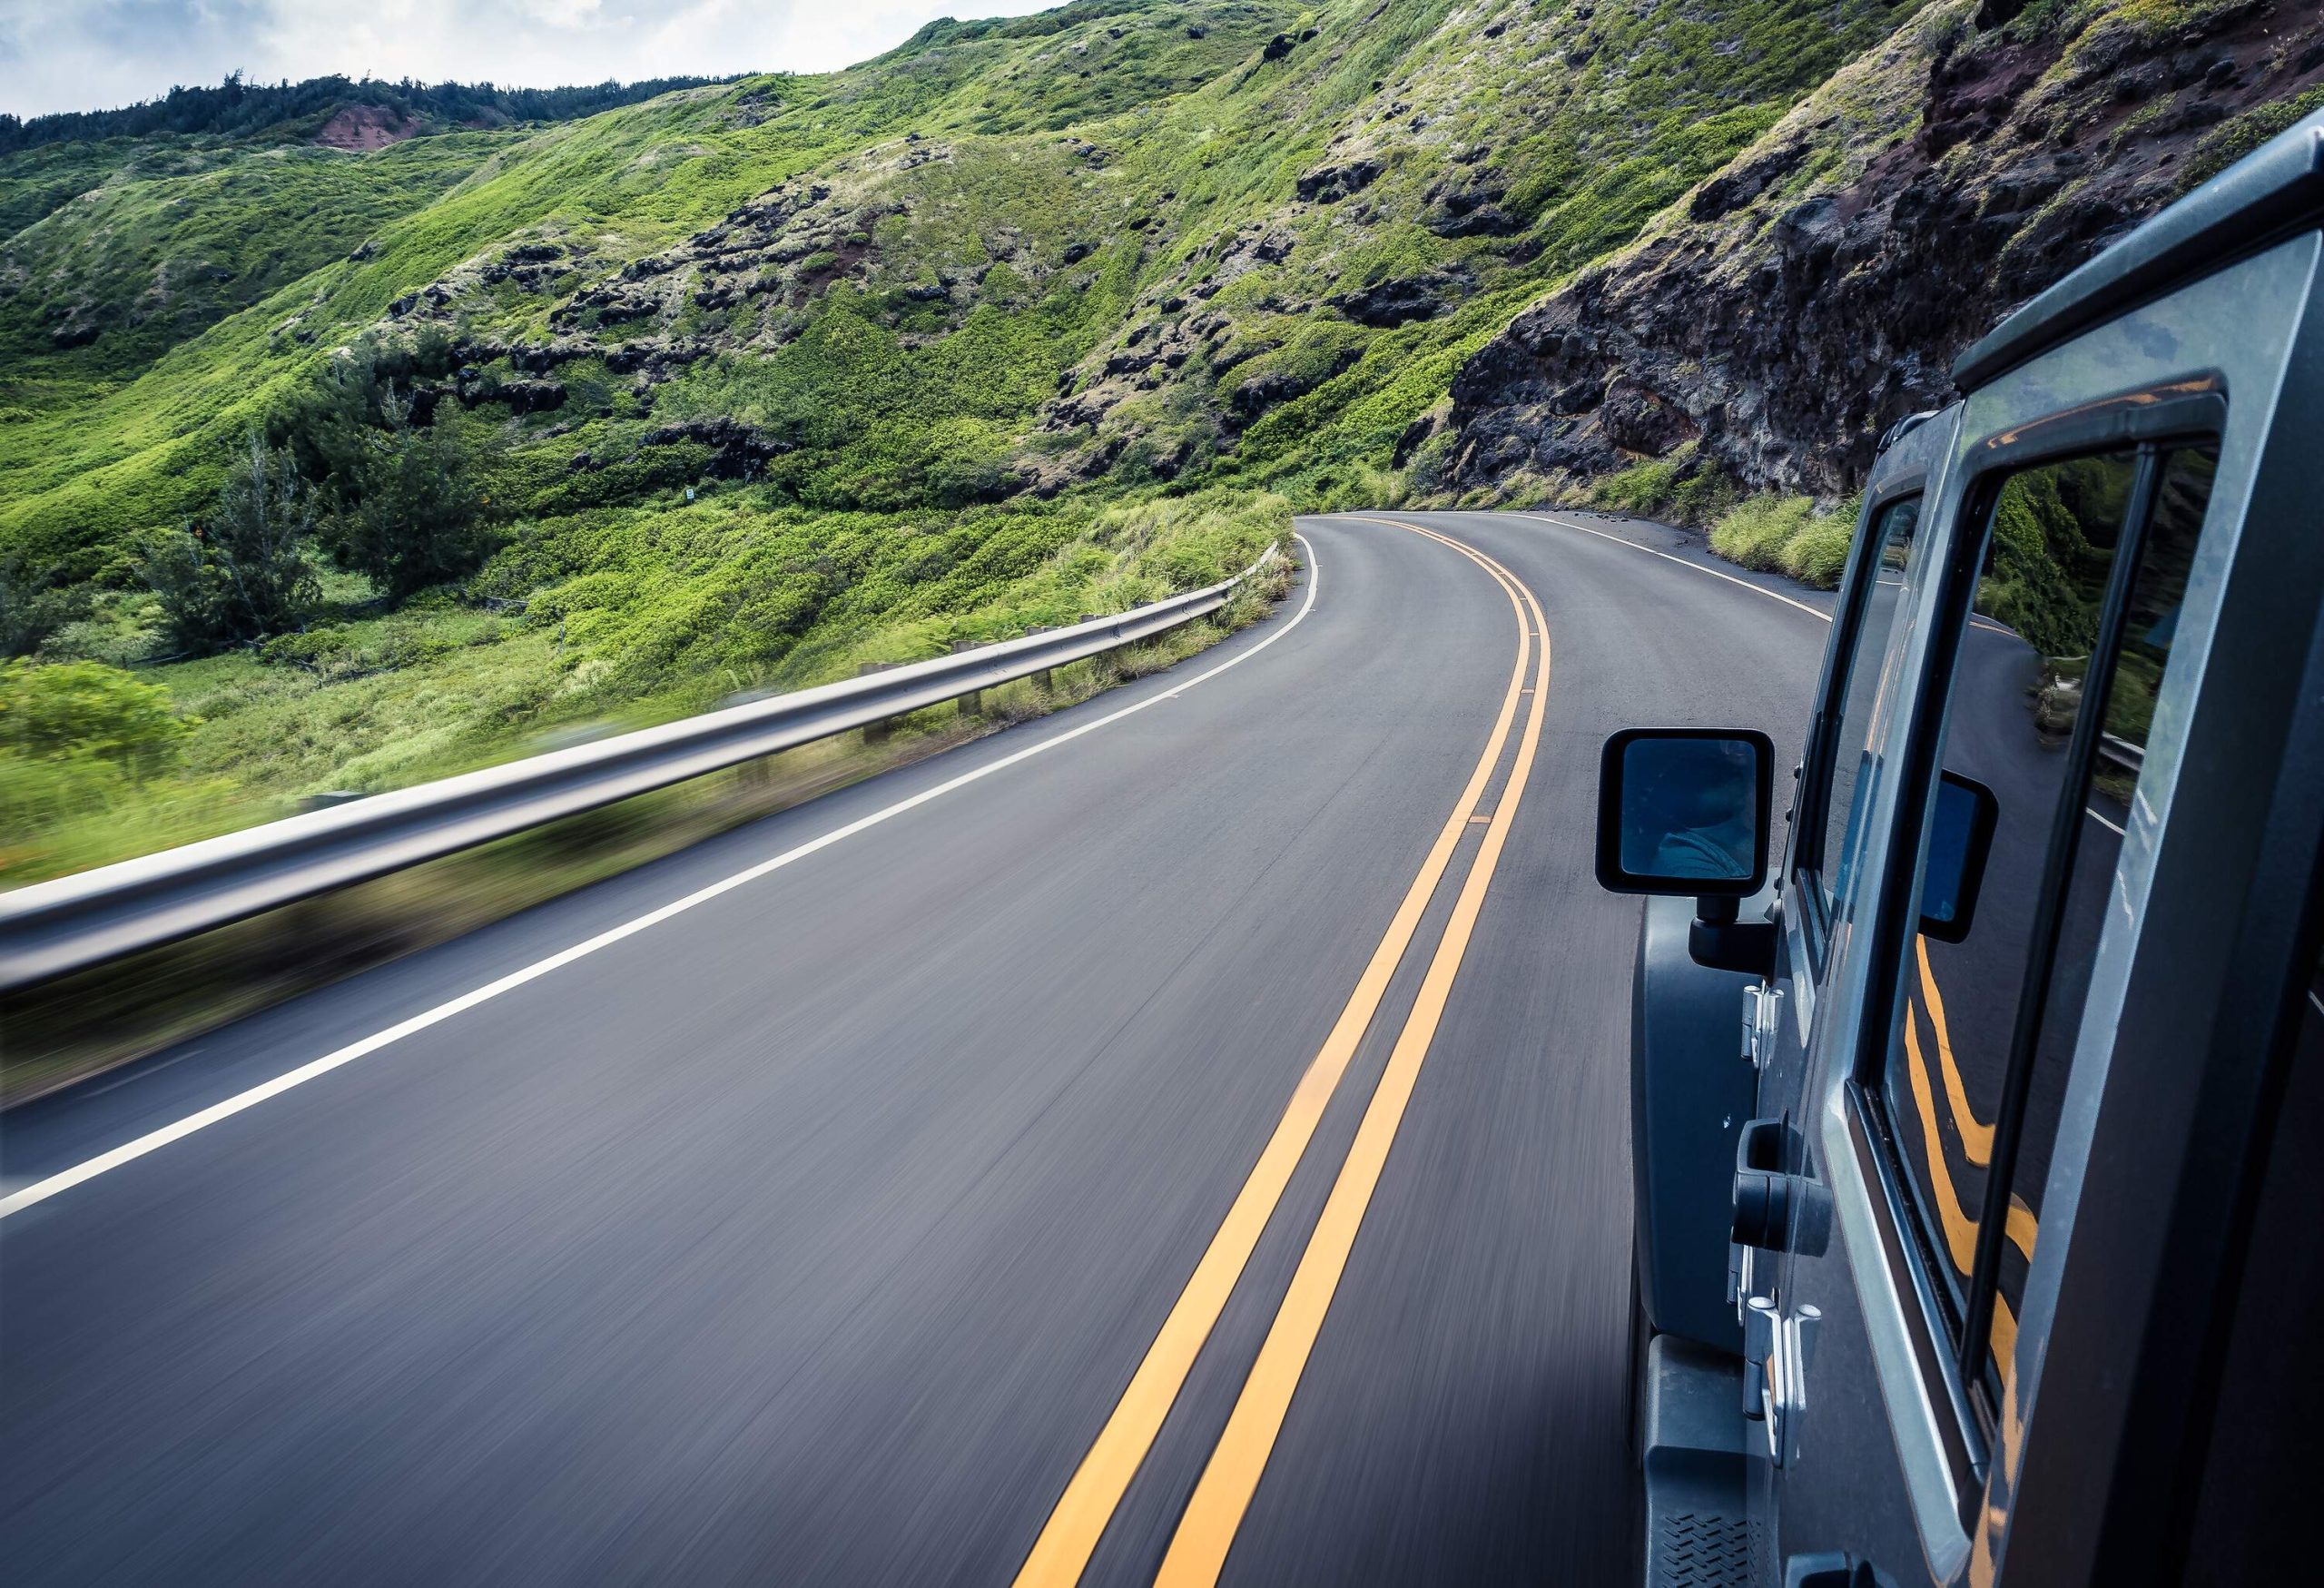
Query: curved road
{"points": [[827, 1228]]}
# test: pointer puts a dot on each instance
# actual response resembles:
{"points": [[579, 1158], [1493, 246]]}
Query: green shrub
{"points": [[32, 610], [404, 508], [86, 711], [1756, 531], [1819, 554]]}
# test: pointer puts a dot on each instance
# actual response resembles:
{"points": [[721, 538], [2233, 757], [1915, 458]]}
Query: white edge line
{"points": [[1812, 612], [2317, 999], [154, 1141], [1712, 573], [1770, 595]]}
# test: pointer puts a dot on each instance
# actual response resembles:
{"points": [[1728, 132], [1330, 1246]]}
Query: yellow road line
{"points": [[1213, 1516], [1069, 1536]]}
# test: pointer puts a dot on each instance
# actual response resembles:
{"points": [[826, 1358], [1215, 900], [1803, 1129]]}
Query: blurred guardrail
{"points": [[52, 929], [2121, 753]]}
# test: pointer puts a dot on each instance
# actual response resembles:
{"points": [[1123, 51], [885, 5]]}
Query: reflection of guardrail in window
{"points": [[52, 928], [2121, 753]]}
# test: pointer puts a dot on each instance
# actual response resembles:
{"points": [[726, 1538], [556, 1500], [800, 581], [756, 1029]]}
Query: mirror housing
{"points": [[1960, 840], [1685, 811]]}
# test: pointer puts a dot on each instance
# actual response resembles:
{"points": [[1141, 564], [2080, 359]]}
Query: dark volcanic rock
{"points": [[1744, 181], [518, 396], [1385, 303], [1780, 335], [1472, 211], [1327, 184], [737, 451]]}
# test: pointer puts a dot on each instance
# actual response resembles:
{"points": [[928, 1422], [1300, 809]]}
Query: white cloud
{"points": [[90, 54]]}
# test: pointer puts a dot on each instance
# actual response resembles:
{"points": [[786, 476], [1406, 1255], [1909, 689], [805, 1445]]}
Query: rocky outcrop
{"points": [[1327, 184], [1778, 327], [736, 450], [1400, 300]]}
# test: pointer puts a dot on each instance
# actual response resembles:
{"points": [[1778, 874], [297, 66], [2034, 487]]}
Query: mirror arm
{"points": [[1718, 941]]}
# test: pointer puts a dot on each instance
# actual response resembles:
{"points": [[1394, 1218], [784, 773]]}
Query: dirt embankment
{"points": [[365, 126]]}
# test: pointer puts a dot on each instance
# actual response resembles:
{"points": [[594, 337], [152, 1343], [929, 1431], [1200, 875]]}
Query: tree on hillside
{"points": [[241, 574], [31, 608], [404, 510]]}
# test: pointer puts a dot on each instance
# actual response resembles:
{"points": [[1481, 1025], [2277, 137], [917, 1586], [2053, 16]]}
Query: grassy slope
{"points": [[164, 249], [1041, 144], [1587, 120]]}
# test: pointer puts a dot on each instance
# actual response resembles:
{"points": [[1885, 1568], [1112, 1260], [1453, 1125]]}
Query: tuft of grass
{"points": [[1677, 489], [1787, 535], [2235, 139]]}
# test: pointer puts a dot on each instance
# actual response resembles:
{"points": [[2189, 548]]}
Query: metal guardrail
{"points": [[2121, 753], [51, 929]]}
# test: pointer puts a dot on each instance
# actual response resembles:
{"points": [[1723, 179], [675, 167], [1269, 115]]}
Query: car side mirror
{"points": [[1685, 811], [1960, 840]]}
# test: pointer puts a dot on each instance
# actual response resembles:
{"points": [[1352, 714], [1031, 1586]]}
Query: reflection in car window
{"points": [[1880, 611], [2052, 535], [2017, 697], [2149, 621]]}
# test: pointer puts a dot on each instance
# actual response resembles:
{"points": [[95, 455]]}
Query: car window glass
{"points": [[2150, 621], [1858, 697], [2052, 533]]}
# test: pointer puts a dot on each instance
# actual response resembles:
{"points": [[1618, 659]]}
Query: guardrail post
{"points": [[874, 732], [972, 702]]}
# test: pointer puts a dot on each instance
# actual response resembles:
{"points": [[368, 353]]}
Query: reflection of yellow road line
{"points": [[1215, 1514], [1073, 1527], [1976, 1141], [1960, 1229]]}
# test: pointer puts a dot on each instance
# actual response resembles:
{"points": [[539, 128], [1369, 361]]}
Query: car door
{"points": [[2038, 625]]}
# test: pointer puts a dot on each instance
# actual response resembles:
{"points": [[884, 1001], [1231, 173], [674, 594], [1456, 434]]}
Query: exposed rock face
{"points": [[1327, 184], [365, 126], [1469, 212], [737, 451], [1394, 302], [1781, 328]]}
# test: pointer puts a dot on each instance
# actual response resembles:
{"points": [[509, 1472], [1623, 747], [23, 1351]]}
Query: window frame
{"points": [[2151, 420], [1805, 864]]}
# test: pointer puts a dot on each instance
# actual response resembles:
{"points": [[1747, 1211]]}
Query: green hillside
{"points": [[749, 383]]}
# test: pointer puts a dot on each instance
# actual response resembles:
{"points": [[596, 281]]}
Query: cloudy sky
{"points": [[88, 54]]}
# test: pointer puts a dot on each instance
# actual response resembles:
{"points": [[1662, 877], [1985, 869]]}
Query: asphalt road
{"points": [[813, 1233]]}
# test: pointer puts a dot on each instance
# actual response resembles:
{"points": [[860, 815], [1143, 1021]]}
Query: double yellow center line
{"points": [[1216, 1511]]}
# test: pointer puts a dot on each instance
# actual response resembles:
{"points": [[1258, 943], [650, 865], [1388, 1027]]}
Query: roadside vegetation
{"points": [[376, 464], [1788, 535], [625, 617]]}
